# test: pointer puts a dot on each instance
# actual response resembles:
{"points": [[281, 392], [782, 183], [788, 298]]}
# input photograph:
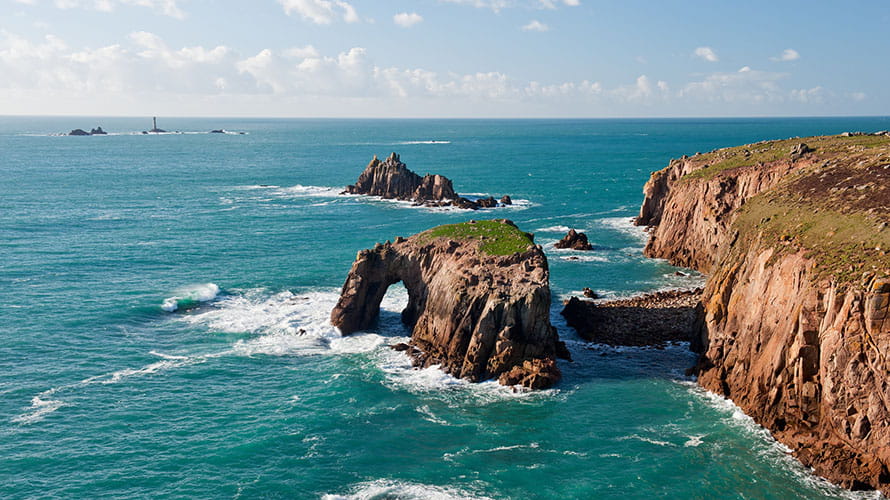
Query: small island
{"points": [[390, 179], [82, 132], [478, 301]]}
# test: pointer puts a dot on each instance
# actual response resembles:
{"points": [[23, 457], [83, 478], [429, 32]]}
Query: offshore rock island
{"points": [[390, 179], [795, 325], [478, 301]]}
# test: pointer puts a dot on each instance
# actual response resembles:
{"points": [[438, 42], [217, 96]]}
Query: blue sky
{"points": [[444, 58]]}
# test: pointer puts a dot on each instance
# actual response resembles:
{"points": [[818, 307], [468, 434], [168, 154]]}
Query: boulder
{"points": [[575, 241]]}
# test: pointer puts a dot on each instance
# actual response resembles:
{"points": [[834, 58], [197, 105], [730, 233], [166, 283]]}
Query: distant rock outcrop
{"points": [[82, 132], [575, 241], [390, 179], [478, 301]]}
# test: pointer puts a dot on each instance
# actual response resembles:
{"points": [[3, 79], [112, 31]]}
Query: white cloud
{"points": [[815, 95], [321, 11], [406, 20], [536, 25], [706, 53], [166, 7], [787, 55], [641, 90], [746, 85], [495, 5], [144, 70]]}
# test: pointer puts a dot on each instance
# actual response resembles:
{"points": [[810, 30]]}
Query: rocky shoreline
{"points": [[795, 320], [652, 319]]}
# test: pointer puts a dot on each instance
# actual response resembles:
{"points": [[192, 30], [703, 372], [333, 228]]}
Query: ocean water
{"points": [[164, 329]]}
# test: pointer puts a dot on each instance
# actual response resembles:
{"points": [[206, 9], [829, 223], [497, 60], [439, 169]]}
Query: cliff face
{"points": [[691, 215], [794, 326], [390, 179], [478, 301]]}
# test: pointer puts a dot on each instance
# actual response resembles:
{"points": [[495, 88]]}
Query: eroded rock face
{"points": [[690, 219], [390, 179], [477, 315], [574, 240], [794, 321]]}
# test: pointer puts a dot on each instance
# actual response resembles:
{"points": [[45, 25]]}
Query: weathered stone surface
{"points": [[785, 331], [651, 319], [478, 316], [574, 240], [98, 131], [78, 131], [391, 179]]}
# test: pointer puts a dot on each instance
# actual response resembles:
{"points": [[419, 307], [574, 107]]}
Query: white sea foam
{"points": [[190, 296], [553, 229], [40, 408], [389, 488], [585, 258], [301, 191], [626, 226], [694, 441]]}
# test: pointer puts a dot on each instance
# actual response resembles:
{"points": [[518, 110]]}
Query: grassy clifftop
{"points": [[837, 210], [710, 164], [496, 237]]}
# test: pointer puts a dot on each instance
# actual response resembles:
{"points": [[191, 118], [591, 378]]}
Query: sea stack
{"points": [[390, 179], [478, 301], [795, 324], [574, 240]]}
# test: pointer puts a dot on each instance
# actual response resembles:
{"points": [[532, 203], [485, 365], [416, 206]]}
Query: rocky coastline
{"points": [[478, 301], [795, 319], [652, 319], [392, 180]]}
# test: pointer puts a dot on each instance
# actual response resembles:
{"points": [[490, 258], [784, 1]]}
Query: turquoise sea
{"points": [[153, 289]]}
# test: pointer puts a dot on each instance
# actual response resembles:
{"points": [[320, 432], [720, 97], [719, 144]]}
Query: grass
{"points": [[495, 237], [721, 160], [843, 246]]}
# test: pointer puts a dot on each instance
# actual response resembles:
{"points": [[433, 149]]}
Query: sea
{"points": [[165, 333]]}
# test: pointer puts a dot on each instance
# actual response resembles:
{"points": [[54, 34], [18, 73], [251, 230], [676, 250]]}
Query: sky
{"points": [[445, 58]]}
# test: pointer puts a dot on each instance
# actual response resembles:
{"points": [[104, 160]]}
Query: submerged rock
{"points": [[478, 301]]}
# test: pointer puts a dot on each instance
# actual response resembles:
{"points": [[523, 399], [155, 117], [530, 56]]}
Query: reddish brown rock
{"points": [[793, 326], [390, 179], [477, 315], [574, 240]]}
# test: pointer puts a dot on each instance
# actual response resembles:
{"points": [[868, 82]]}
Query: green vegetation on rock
{"points": [[495, 237], [721, 160]]}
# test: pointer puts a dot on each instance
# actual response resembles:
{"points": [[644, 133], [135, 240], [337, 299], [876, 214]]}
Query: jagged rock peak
{"points": [[391, 179], [478, 301]]}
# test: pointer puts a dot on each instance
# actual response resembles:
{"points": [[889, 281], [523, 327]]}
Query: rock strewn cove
{"points": [[478, 301], [795, 326], [390, 179]]}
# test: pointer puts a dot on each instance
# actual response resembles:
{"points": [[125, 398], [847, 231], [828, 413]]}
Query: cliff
{"points": [[795, 326], [478, 301], [391, 179]]}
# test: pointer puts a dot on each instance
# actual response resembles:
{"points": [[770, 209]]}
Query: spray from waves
{"points": [[624, 225], [389, 488], [190, 297]]}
